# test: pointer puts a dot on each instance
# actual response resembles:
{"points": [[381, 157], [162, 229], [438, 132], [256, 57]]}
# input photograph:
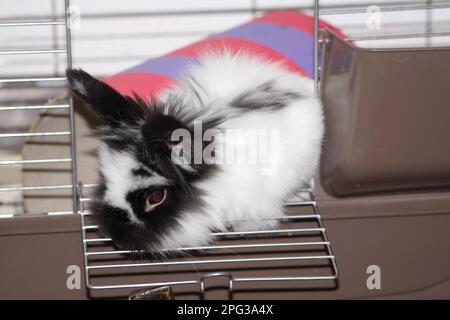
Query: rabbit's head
{"points": [[142, 192]]}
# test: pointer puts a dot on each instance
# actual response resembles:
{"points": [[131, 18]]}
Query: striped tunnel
{"points": [[286, 36]]}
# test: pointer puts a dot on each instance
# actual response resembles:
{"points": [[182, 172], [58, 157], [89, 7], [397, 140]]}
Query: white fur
{"points": [[239, 191]]}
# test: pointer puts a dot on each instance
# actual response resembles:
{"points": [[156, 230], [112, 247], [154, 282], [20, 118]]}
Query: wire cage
{"points": [[298, 253], [41, 83]]}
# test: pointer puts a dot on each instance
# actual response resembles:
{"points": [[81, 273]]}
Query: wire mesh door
{"points": [[38, 83]]}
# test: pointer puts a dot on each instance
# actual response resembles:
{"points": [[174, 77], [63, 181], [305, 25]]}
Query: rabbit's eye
{"points": [[154, 199], [172, 143]]}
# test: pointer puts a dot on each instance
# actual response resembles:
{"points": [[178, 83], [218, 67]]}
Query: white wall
{"points": [[114, 35]]}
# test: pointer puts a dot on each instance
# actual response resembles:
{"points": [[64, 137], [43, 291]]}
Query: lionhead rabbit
{"points": [[172, 170]]}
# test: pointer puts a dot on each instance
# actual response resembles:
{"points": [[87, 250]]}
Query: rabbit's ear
{"points": [[109, 104]]}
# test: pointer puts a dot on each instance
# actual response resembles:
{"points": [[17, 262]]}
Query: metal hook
{"points": [[216, 274]]}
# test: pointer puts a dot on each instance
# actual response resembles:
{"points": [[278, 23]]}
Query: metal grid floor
{"points": [[298, 250]]}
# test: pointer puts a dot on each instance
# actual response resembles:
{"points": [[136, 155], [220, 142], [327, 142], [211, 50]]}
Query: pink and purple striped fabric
{"points": [[286, 36]]}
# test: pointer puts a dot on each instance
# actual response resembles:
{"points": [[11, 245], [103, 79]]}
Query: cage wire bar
{"points": [[69, 105], [71, 110]]}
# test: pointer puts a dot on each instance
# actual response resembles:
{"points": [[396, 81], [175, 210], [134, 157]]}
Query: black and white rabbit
{"points": [[150, 200]]}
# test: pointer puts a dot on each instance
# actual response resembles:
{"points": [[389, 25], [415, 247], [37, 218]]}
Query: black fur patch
{"points": [[112, 107], [114, 221], [120, 138], [265, 96], [156, 154], [141, 172]]}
